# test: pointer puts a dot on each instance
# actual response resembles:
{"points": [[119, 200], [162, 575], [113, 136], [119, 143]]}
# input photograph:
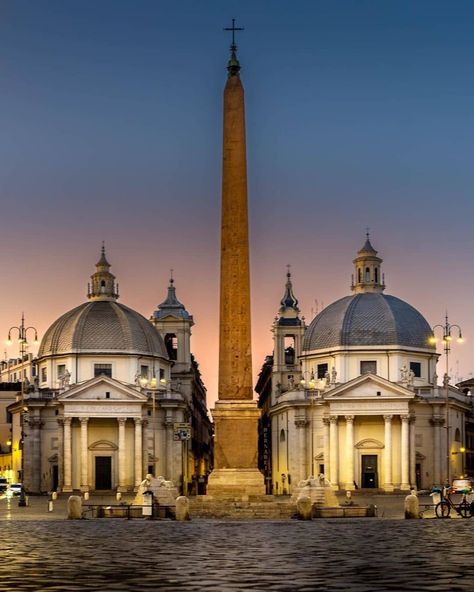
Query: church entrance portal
{"points": [[103, 472], [54, 478], [369, 471]]}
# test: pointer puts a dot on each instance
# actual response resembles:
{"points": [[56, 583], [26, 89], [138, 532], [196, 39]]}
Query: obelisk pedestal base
{"points": [[235, 450]]}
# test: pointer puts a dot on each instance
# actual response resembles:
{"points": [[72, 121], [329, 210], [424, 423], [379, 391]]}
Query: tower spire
{"points": [[289, 302], [233, 65]]}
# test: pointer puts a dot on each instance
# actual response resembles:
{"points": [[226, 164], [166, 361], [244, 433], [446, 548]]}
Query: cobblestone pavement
{"points": [[204, 555]]}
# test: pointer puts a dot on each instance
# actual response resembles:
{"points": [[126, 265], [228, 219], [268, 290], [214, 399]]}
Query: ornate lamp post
{"points": [[447, 338], [313, 391], [22, 331]]}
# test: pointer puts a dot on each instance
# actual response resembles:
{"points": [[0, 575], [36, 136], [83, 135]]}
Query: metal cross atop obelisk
{"points": [[233, 29]]}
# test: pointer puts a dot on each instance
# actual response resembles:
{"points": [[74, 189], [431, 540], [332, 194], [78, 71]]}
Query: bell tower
{"points": [[288, 333], [174, 323]]}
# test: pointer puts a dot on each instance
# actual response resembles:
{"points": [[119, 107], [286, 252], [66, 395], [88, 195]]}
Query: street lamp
{"points": [[23, 344], [313, 391], [447, 339]]}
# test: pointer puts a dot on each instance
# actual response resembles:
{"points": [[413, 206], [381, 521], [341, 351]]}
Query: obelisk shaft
{"points": [[235, 413], [235, 356]]}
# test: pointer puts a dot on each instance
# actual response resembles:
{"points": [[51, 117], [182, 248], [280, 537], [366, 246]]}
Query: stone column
{"points": [[170, 474], [349, 452], [67, 456], [84, 455], [138, 451], [145, 432], [437, 422], [60, 453], [388, 461], [334, 451], [121, 454], [305, 468], [405, 460], [412, 452], [32, 480], [327, 472]]}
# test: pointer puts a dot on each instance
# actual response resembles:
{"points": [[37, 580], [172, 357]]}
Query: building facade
{"points": [[355, 395], [106, 405]]}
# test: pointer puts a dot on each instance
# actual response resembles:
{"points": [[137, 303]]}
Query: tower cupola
{"points": [[289, 311], [102, 286], [368, 276]]}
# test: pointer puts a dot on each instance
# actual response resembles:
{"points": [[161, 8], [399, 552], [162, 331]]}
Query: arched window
{"points": [[367, 274], [376, 275], [282, 436], [359, 276], [171, 343], [457, 435]]}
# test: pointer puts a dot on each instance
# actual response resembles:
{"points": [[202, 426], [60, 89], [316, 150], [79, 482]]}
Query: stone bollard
{"points": [[412, 506], [304, 508], [182, 508], [74, 507]]}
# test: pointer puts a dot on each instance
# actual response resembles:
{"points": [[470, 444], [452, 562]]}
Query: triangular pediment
{"points": [[369, 386], [102, 388]]}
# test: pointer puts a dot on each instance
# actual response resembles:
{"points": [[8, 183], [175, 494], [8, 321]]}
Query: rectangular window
{"points": [[322, 369], [144, 371], [61, 370], [44, 374], [103, 370], [415, 367], [162, 373], [368, 366]]}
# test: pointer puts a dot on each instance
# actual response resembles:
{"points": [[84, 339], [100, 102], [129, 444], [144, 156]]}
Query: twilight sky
{"points": [[359, 113]]}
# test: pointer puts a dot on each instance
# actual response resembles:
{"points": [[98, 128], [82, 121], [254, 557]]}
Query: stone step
{"points": [[207, 507]]}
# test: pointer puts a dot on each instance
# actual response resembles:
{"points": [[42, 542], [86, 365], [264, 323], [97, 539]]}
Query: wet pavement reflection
{"points": [[355, 555]]}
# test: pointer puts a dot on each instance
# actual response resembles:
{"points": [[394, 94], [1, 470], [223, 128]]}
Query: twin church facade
{"points": [[354, 396]]}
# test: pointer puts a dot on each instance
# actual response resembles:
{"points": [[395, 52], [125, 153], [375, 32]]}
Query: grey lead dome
{"points": [[104, 327], [368, 319]]}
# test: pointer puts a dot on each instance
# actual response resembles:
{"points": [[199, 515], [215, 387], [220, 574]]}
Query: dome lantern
{"points": [[368, 277], [103, 282]]}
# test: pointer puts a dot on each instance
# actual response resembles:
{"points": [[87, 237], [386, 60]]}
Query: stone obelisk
{"points": [[235, 413]]}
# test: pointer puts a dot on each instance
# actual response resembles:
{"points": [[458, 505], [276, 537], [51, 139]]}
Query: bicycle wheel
{"points": [[442, 509], [464, 509]]}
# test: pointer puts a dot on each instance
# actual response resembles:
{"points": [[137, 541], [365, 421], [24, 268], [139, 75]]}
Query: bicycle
{"points": [[464, 508]]}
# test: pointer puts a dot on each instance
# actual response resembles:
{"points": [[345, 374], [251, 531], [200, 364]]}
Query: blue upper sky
{"points": [[359, 113]]}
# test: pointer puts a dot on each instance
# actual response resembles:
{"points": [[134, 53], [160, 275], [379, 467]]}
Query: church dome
{"points": [[368, 319], [102, 327]]}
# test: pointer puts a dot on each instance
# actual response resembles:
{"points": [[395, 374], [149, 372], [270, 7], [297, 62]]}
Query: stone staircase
{"points": [[265, 507]]}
